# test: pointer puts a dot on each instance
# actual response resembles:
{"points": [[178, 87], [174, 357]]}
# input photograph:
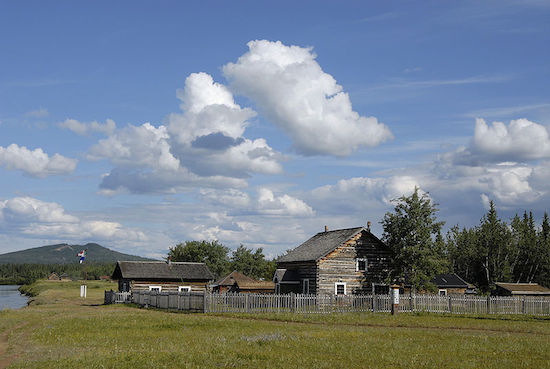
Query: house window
{"points": [[305, 286], [361, 264], [340, 288], [442, 292], [155, 288], [184, 289]]}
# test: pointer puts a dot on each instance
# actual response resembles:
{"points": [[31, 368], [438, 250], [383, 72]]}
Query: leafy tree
{"points": [[212, 253], [413, 232], [252, 263]]}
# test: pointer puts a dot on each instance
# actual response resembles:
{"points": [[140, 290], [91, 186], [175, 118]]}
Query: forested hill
{"points": [[65, 254]]}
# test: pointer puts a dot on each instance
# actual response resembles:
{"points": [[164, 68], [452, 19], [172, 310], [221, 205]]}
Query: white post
{"points": [[395, 299], [83, 290]]}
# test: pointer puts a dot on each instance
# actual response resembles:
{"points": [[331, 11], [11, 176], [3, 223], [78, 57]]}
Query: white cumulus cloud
{"points": [[519, 141], [33, 217], [292, 90], [35, 162]]}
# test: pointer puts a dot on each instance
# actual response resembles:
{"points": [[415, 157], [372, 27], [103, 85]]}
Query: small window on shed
{"points": [[340, 288], [442, 292], [185, 289], [155, 288], [361, 264]]}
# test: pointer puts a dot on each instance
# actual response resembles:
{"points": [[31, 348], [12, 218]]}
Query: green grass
{"points": [[65, 331]]}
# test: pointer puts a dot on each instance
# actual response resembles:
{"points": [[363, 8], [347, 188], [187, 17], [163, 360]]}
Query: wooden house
{"points": [[53, 277], [452, 284], [520, 289], [161, 276], [343, 261], [240, 283]]}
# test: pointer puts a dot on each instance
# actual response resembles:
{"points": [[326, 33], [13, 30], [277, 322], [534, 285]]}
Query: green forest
{"points": [[492, 251], [29, 273]]}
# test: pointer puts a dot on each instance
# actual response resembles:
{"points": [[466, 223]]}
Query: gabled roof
{"points": [[320, 245], [231, 278], [449, 281], [524, 288], [159, 270]]}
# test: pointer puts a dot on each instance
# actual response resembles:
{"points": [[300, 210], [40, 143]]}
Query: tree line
{"points": [[492, 251], [221, 261], [29, 273]]}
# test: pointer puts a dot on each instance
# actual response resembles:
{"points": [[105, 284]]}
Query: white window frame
{"points": [[305, 286], [155, 288], [185, 289], [442, 290], [336, 284], [357, 264]]}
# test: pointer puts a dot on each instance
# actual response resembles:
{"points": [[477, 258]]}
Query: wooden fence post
{"points": [[489, 304]]}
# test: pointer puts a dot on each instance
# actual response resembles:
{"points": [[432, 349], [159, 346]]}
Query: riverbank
{"points": [[11, 297], [59, 329]]}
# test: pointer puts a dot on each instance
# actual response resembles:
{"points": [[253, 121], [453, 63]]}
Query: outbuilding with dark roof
{"points": [[161, 276], [343, 261]]}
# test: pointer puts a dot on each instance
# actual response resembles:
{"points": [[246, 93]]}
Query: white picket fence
{"points": [[310, 304]]}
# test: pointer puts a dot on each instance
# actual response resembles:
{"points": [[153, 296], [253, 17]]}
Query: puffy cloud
{"points": [[36, 218], [268, 203], [361, 193], [137, 146], [294, 92], [203, 145], [520, 140], [265, 203], [35, 163], [82, 128], [209, 109]]}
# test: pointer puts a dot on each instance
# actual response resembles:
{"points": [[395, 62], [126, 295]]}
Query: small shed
{"points": [[520, 289], [161, 276], [53, 277], [65, 277]]}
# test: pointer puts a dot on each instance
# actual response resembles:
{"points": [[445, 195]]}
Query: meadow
{"points": [[61, 330]]}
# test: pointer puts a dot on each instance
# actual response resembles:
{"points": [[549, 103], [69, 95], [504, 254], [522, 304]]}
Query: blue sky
{"points": [[138, 125]]}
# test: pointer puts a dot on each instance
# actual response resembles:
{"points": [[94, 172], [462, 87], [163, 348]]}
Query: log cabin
{"points": [[343, 261], [161, 276]]}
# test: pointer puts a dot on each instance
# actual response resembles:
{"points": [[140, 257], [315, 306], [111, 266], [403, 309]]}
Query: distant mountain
{"points": [[66, 254]]}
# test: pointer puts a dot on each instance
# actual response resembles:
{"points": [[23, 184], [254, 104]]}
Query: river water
{"points": [[10, 298]]}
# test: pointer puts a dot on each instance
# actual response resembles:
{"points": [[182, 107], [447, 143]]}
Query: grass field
{"points": [[61, 330]]}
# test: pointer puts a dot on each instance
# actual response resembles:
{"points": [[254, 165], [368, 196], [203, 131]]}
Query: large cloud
{"points": [[203, 145], [294, 92], [35, 163], [39, 219]]}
